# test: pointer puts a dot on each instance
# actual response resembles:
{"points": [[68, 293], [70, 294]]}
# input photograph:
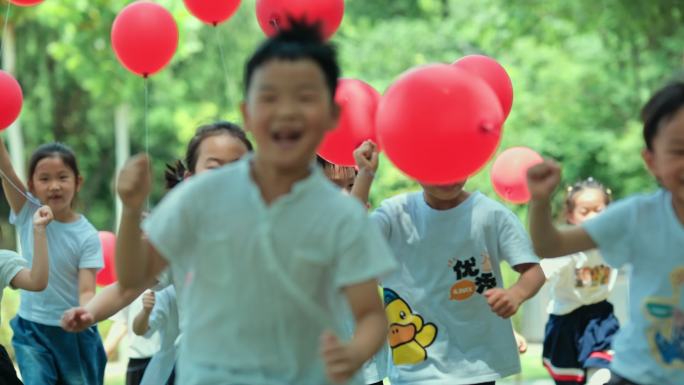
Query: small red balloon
{"points": [[493, 74], [144, 37], [439, 124], [212, 12], [26, 3], [359, 103], [107, 275], [11, 100], [509, 173], [274, 15]]}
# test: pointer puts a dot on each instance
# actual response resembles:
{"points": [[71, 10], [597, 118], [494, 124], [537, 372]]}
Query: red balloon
{"points": [[144, 37], [439, 124], [273, 14], [509, 173], [11, 100], [212, 12], [494, 74], [26, 3], [359, 103], [107, 275]]}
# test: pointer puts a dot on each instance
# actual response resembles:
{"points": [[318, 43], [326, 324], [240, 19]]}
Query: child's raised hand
{"points": [[503, 302], [134, 181], [366, 157], [542, 179], [341, 362], [148, 301], [42, 217], [77, 320]]}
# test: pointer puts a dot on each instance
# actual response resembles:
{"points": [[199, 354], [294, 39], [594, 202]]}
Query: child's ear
{"points": [[245, 115], [79, 183], [649, 160]]}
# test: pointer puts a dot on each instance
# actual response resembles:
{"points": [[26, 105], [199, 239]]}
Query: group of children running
{"points": [[265, 272]]}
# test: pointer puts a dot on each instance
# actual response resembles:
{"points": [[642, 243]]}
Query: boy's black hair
{"points": [[175, 172], [301, 40], [583, 185], [660, 108]]}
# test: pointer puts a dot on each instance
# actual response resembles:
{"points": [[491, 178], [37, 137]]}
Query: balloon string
{"points": [[28, 197], [4, 29], [147, 133], [224, 65]]}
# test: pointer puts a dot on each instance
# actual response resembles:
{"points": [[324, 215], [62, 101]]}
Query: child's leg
{"points": [[65, 358], [560, 350], [36, 363], [598, 376], [7, 372], [136, 370]]}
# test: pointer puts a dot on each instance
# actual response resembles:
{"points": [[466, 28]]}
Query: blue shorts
{"points": [[579, 340], [48, 355]]}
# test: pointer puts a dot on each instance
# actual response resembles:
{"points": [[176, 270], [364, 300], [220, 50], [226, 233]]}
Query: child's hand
{"points": [[366, 157], [542, 179], [503, 302], [42, 217], [134, 182], [148, 301], [77, 320], [521, 341], [341, 362]]}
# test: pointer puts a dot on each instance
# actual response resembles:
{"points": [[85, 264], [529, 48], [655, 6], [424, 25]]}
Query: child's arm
{"points": [[366, 157], [36, 279], [549, 241], [86, 285], [505, 302], [137, 261], [116, 333], [14, 197], [105, 304], [343, 359], [141, 323]]}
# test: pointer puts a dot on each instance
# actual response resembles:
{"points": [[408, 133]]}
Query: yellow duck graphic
{"points": [[408, 334]]}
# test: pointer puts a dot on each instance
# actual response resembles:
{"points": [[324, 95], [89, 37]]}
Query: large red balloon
{"points": [[439, 124], [273, 14], [359, 103], [107, 275], [509, 173], [494, 74], [144, 37], [26, 3], [11, 100], [212, 12]]}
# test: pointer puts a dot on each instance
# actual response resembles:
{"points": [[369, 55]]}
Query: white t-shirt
{"points": [[265, 280], [645, 232], [577, 280], [71, 246], [442, 331], [138, 346]]}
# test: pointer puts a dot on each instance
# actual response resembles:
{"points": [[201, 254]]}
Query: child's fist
{"points": [[340, 360], [77, 320], [503, 302], [366, 157], [148, 301], [42, 217], [542, 179], [134, 181]]}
